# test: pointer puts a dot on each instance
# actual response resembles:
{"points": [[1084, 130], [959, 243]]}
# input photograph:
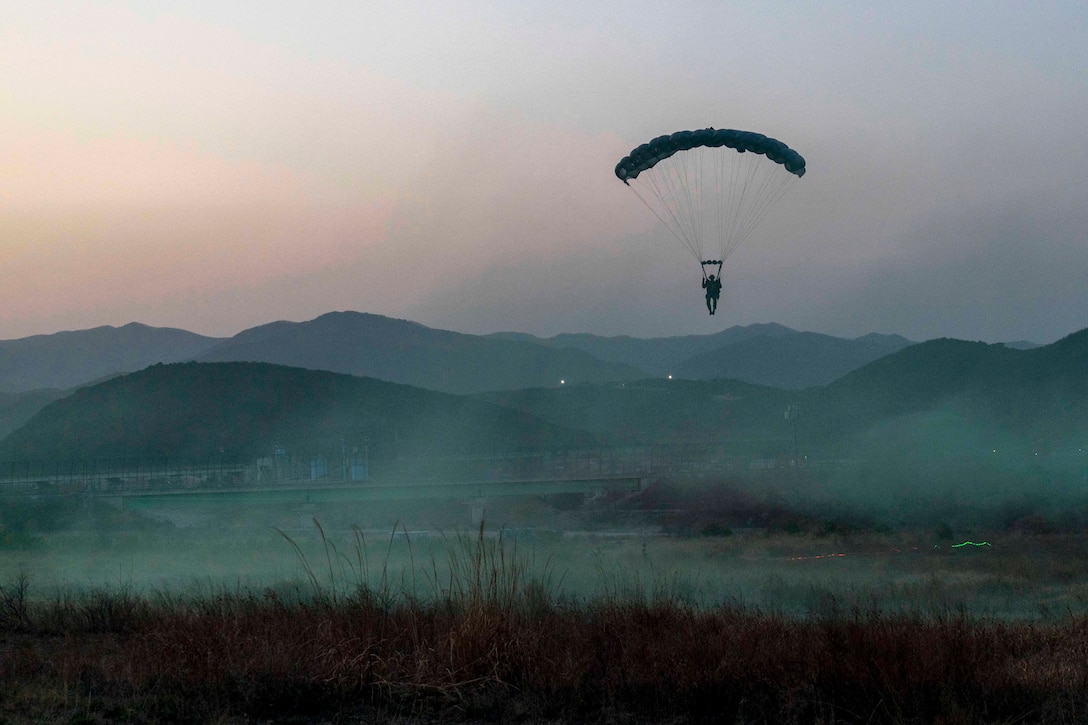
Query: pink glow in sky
{"points": [[214, 168]]}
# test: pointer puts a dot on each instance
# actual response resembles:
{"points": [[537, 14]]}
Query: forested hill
{"points": [[952, 393], [1039, 393], [205, 410]]}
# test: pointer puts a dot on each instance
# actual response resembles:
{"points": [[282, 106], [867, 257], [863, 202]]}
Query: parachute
{"points": [[712, 187]]}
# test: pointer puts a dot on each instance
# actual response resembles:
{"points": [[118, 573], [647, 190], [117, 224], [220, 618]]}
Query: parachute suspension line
{"points": [[711, 204], [771, 188], [681, 172], [729, 194], [669, 190], [757, 187], [695, 196], [719, 209], [679, 175], [674, 227], [746, 181], [737, 192], [703, 201], [701, 196]]}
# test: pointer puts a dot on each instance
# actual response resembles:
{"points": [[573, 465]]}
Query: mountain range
{"points": [[763, 354], [319, 381], [407, 352], [942, 398], [68, 359], [35, 370]]}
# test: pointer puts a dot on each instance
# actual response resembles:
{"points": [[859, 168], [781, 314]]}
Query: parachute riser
{"points": [[711, 262]]}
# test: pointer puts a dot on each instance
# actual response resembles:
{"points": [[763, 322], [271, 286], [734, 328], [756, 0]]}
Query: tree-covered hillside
{"points": [[202, 410]]}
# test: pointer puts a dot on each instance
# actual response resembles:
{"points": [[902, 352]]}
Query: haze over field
{"points": [[213, 167]]}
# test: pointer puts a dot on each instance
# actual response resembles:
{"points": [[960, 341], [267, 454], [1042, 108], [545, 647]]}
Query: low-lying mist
{"points": [[794, 541], [897, 586]]}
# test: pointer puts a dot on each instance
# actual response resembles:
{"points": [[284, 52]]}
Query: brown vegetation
{"points": [[487, 642]]}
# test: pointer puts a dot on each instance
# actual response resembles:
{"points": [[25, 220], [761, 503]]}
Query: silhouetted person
{"points": [[713, 286]]}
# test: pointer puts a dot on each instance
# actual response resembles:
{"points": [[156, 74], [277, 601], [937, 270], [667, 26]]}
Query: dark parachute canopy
{"points": [[644, 157], [711, 187]]}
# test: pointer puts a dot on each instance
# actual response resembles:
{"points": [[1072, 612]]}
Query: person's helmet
{"points": [[711, 278]]}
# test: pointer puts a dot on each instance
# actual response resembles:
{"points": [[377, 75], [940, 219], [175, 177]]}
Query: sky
{"points": [[215, 166]]}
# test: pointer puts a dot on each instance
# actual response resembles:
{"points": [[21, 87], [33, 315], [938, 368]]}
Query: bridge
{"points": [[321, 493], [165, 484]]}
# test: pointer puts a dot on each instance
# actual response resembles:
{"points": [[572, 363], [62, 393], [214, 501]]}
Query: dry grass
{"points": [[487, 636]]}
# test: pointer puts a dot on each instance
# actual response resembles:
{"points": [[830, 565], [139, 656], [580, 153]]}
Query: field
{"points": [[602, 613]]}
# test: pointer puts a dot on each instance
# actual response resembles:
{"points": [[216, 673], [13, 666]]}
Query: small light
{"points": [[670, 377], [562, 382]]}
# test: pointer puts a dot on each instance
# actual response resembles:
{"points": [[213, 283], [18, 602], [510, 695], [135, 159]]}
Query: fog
{"points": [[700, 492], [904, 541], [876, 530]]}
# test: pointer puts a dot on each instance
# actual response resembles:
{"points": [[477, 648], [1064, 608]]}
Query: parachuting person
{"points": [[710, 188], [713, 286]]}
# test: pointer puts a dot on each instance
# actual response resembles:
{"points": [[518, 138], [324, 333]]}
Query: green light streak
{"points": [[970, 543]]}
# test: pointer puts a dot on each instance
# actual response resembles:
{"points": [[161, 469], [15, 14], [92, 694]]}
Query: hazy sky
{"points": [[218, 165]]}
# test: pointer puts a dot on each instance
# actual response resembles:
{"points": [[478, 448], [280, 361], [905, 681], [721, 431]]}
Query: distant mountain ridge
{"points": [[761, 354], [410, 353], [942, 400], [67, 359], [407, 352], [961, 398], [800, 360], [656, 355]]}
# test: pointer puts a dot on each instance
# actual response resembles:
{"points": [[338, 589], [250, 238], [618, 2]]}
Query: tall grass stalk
{"points": [[479, 571], [306, 568]]}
